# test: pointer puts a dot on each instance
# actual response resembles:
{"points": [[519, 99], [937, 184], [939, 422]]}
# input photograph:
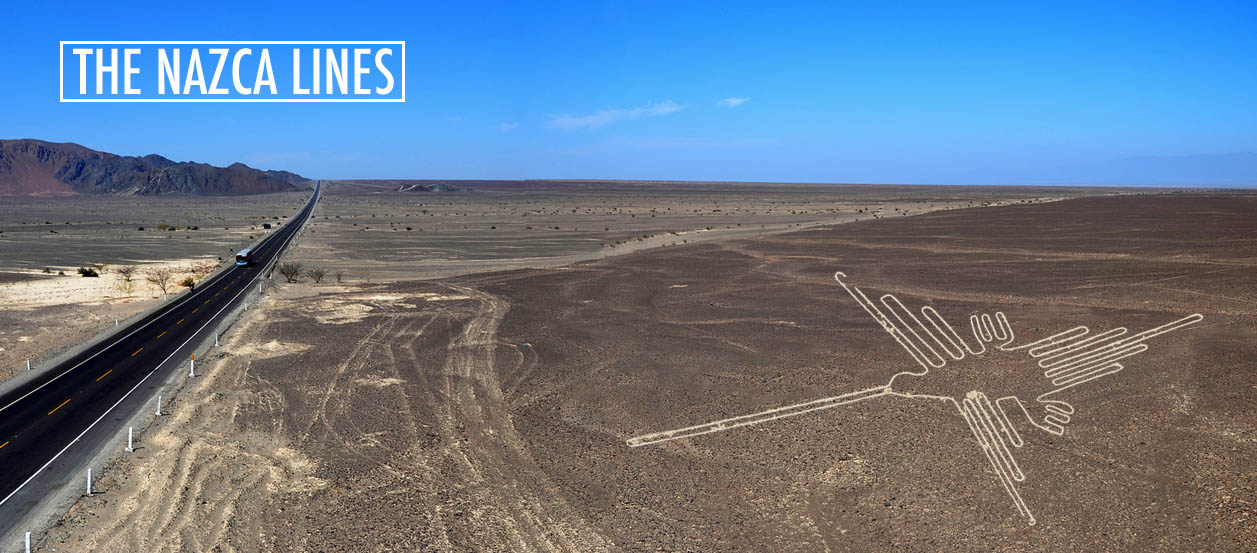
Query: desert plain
{"points": [[471, 386]]}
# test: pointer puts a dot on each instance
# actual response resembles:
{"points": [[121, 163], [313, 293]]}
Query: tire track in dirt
{"points": [[536, 516], [195, 482]]}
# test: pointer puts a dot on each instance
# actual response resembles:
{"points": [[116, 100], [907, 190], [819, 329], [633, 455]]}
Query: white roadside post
{"points": [[215, 339], [89, 481], [28, 364], [115, 321], [28, 542], [159, 406], [192, 368], [130, 433]]}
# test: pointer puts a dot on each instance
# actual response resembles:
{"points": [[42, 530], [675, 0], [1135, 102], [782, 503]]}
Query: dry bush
{"points": [[160, 277], [316, 275], [126, 282], [291, 270]]}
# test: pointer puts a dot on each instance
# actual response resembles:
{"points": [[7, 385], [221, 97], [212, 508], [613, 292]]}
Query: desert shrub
{"points": [[126, 284], [340, 277], [88, 272], [290, 270], [160, 277], [316, 275], [187, 282]]}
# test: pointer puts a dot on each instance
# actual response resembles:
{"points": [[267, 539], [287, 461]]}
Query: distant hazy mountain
{"points": [[395, 185], [37, 168], [1221, 170]]}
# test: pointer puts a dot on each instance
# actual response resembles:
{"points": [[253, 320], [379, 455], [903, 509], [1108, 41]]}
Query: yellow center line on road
{"points": [[59, 406], [137, 352], [104, 375], [180, 322], [163, 333], [195, 310], [3, 444], [206, 302]]}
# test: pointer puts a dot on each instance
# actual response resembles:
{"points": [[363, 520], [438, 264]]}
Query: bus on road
{"points": [[244, 258]]}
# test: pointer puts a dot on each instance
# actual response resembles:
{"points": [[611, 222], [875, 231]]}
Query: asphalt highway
{"points": [[59, 415]]}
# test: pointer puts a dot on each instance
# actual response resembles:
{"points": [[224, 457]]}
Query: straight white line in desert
{"points": [[1068, 359]]}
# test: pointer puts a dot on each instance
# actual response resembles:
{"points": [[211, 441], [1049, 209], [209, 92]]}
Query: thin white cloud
{"points": [[604, 117], [733, 102], [508, 127]]}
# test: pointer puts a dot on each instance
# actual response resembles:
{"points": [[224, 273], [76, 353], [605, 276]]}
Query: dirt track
{"points": [[490, 412]]}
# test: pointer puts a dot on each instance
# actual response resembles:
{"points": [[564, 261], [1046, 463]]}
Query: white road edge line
{"points": [[137, 384], [119, 340]]}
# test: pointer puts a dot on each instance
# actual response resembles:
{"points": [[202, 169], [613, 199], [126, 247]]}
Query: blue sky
{"points": [[1005, 92]]}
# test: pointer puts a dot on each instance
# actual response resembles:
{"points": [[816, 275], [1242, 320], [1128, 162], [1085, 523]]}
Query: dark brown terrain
{"points": [[38, 168], [1159, 457], [424, 229], [490, 413]]}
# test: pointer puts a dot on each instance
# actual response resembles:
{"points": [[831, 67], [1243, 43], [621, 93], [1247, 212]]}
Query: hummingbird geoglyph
{"points": [[982, 356]]}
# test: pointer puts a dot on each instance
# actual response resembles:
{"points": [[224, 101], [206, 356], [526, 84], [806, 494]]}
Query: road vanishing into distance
{"points": [[53, 423]]}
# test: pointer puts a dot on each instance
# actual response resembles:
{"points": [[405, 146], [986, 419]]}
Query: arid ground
{"points": [[369, 231], [489, 412], [43, 241]]}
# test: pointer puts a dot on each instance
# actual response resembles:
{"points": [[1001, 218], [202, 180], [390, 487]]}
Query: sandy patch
{"points": [[378, 382], [46, 315], [352, 308], [343, 313], [443, 297], [109, 287], [196, 483], [273, 348]]}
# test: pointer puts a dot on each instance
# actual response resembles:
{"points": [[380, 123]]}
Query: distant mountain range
{"points": [[37, 168]]}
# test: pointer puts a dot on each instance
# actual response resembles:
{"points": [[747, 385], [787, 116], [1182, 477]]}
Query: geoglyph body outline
{"points": [[1068, 359]]}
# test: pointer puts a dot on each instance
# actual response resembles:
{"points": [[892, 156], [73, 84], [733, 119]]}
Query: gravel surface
{"points": [[490, 412]]}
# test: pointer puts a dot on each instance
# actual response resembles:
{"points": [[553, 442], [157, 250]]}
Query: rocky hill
{"points": [[37, 168]]}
